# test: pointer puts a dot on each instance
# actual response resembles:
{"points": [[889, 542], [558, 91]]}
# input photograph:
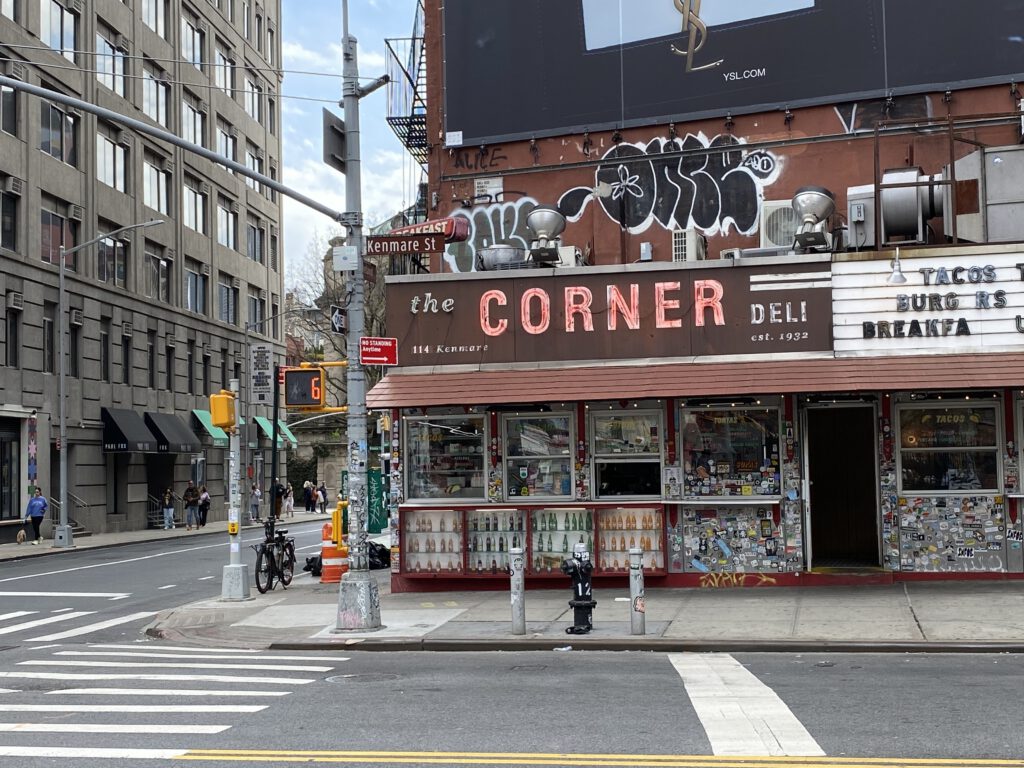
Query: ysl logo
{"points": [[698, 34]]}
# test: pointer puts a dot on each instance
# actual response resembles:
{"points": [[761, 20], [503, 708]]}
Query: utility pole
{"points": [[358, 598]]}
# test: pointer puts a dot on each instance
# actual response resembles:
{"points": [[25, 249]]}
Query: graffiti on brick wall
{"points": [[488, 225], [713, 185]]}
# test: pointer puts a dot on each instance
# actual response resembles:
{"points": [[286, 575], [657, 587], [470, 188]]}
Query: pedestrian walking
{"points": [[322, 497], [34, 513], [167, 505], [289, 501], [307, 495], [191, 500], [254, 503], [204, 506], [278, 498]]}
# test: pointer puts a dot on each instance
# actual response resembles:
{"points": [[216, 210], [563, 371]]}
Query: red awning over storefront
{"points": [[618, 382]]}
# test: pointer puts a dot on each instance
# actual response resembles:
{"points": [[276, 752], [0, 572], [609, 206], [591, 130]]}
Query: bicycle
{"points": [[275, 558]]}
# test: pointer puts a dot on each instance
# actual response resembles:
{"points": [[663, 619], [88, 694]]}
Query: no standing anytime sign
{"points": [[374, 350]]}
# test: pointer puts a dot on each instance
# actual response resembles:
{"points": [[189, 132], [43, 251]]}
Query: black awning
{"points": [[173, 435], [124, 431]]}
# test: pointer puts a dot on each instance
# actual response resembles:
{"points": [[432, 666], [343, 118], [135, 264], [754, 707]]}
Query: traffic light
{"points": [[304, 387], [222, 409]]}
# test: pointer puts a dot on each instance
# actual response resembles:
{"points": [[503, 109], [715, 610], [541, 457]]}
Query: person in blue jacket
{"points": [[35, 511]]}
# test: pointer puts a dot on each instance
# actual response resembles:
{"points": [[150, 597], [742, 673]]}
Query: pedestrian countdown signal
{"points": [[304, 387]]}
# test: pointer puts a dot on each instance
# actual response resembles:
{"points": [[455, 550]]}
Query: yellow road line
{"points": [[584, 759]]}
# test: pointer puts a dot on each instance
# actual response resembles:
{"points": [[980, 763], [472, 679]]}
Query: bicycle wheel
{"points": [[288, 564], [264, 570]]}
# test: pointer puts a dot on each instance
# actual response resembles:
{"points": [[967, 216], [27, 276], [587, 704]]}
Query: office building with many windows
{"points": [[153, 322]]}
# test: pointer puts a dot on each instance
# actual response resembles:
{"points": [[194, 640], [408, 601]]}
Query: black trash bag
{"points": [[315, 565], [379, 556]]}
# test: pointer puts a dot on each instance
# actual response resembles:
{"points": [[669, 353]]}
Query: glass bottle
{"points": [[487, 544], [494, 566], [501, 543], [565, 523], [441, 525], [551, 548], [622, 543], [511, 522], [552, 522], [474, 523], [487, 522], [543, 522], [565, 542], [575, 522], [632, 542]]}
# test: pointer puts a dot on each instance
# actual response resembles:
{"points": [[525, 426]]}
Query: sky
{"points": [[311, 32]]}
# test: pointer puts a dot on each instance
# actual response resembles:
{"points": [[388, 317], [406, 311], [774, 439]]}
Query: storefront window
{"points": [[446, 457], [731, 452], [538, 460], [949, 448], [627, 453]]}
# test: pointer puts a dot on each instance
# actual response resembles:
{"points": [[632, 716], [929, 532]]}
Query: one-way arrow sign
{"points": [[338, 319]]}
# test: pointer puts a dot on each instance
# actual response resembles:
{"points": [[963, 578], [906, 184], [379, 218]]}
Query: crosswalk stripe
{"points": [[160, 678], [107, 595], [174, 665], [237, 651], [40, 622], [15, 614], [89, 628], [9, 690], [80, 753], [168, 692], [197, 656], [740, 714], [108, 728], [137, 708]]}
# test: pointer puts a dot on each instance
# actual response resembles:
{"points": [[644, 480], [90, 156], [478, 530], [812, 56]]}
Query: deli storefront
{"points": [[747, 422]]}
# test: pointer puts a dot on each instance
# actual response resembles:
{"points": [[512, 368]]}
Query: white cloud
{"points": [[296, 56]]}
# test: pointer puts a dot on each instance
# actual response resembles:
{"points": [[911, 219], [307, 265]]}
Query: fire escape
{"points": [[407, 89]]}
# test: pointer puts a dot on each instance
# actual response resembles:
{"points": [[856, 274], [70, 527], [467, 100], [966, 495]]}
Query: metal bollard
{"points": [[637, 615], [517, 572]]}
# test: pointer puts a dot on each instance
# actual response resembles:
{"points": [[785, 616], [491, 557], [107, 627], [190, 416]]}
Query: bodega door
{"points": [[842, 468]]}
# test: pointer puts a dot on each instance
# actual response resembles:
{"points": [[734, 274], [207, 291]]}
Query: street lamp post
{"points": [[62, 536]]}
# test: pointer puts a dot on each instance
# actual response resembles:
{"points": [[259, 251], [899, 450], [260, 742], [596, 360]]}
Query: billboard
{"points": [[654, 312], [518, 69]]}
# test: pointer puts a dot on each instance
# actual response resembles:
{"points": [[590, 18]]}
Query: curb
{"points": [[657, 645]]}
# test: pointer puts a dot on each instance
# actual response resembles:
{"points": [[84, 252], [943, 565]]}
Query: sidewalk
{"points": [[932, 616]]}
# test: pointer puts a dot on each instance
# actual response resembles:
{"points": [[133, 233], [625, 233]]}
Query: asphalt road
{"points": [[113, 697], [70, 596]]}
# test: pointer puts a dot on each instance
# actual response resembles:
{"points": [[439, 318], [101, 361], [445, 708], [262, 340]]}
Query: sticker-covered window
{"points": [[949, 448], [731, 452]]}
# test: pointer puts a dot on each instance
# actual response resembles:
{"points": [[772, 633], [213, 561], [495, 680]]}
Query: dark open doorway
{"points": [[841, 451]]}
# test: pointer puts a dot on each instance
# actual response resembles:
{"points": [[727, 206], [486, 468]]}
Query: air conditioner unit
{"points": [[688, 245], [126, 330], [779, 223], [75, 213], [569, 257], [16, 301], [75, 317], [14, 185], [14, 69]]}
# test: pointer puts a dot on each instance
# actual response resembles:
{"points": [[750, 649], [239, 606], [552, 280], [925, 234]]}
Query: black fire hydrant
{"points": [[579, 568]]}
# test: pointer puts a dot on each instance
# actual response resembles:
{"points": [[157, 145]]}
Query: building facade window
{"points": [[111, 160], [55, 230], [224, 71], [194, 205], [254, 163], [112, 262], [227, 224], [275, 316], [9, 8], [626, 447], [726, 449], [126, 360], [190, 365], [158, 274], [272, 116], [271, 46], [58, 133], [949, 448], [191, 40], [254, 240], [169, 363], [13, 350], [8, 110], [445, 457], [151, 363], [8, 221], [49, 337], [156, 184], [195, 287], [253, 97], [58, 28], [193, 121], [74, 351], [247, 19], [154, 15], [257, 310], [227, 143], [225, 370], [110, 64], [105, 349], [538, 460], [227, 300], [206, 374], [259, 32], [156, 94]]}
